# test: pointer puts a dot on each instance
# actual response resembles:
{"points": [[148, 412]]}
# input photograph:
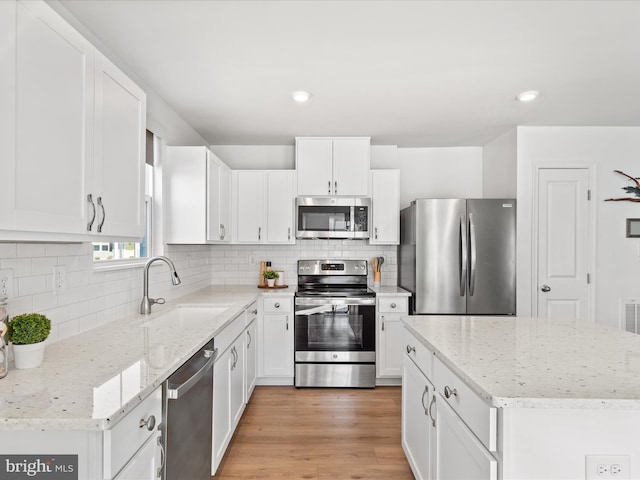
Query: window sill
{"points": [[111, 265]]}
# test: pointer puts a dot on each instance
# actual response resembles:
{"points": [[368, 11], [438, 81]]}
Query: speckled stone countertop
{"points": [[390, 291], [537, 363], [91, 380]]}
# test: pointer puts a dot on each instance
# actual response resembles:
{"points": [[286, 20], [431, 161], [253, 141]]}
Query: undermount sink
{"points": [[187, 313]]}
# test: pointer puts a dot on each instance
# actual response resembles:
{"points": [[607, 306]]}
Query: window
{"points": [[128, 250]]}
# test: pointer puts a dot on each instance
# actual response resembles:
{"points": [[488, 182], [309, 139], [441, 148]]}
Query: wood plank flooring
{"points": [[322, 434]]}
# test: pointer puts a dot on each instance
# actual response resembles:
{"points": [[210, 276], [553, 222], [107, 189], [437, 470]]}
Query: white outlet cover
{"points": [[594, 464], [6, 283]]}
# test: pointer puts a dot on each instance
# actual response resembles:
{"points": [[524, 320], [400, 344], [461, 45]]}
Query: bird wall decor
{"points": [[634, 190]]}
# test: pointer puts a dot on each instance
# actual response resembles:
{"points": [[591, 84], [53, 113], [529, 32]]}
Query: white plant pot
{"points": [[271, 282], [28, 356]]}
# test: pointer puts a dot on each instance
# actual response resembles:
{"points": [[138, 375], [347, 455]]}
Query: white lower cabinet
{"points": [[389, 335], [251, 371], [145, 464], [276, 340], [444, 438]]}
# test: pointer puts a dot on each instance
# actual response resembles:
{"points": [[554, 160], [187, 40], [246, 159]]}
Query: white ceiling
{"points": [[406, 73]]}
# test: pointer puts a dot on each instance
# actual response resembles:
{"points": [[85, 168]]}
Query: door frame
{"points": [[591, 229]]}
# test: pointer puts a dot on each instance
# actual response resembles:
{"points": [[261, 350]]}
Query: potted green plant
{"points": [[270, 276], [27, 334]]}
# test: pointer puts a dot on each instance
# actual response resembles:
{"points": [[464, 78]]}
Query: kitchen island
{"points": [[516, 398]]}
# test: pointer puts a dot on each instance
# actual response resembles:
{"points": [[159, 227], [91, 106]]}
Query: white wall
{"points": [[256, 157], [617, 266], [499, 160]]}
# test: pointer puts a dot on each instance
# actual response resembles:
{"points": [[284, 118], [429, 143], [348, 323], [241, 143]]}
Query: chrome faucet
{"points": [[145, 306]]}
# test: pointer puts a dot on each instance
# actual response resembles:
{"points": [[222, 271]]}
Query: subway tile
{"points": [[43, 265], [56, 249], [21, 266], [79, 309], [32, 285], [44, 301], [68, 329], [8, 250], [28, 250]]}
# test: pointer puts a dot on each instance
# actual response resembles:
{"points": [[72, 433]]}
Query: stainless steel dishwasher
{"points": [[188, 400]]}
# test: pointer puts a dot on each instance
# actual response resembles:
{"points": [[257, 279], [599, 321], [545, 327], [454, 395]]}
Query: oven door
{"points": [[341, 330]]}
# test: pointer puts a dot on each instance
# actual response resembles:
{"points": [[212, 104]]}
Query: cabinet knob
{"points": [[545, 288], [277, 305], [393, 305], [410, 349], [254, 311], [150, 422], [449, 392]]}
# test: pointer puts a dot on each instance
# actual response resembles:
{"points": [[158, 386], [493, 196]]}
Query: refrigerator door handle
{"points": [[463, 255], [473, 256]]}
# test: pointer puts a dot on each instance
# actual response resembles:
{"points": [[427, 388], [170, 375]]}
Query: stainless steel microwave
{"points": [[333, 217]]}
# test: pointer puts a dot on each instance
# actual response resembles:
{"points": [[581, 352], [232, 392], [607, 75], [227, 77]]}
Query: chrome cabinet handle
{"points": [[222, 232], [289, 233], [433, 419], [335, 188], [410, 349], [382, 318], [376, 232], [259, 233], [545, 288], [277, 305], [426, 409], [249, 342], [287, 326], [150, 422], [162, 457], [104, 215], [449, 392], [393, 305], [93, 216], [329, 187]]}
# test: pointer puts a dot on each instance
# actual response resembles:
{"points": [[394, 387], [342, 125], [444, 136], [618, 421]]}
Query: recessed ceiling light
{"points": [[528, 96], [301, 96]]}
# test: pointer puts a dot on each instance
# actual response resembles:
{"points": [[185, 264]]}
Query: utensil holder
{"points": [[376, 277]]}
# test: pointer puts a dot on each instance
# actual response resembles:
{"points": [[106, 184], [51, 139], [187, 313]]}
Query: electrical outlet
{"points": [[59, 278], [603, 467], [6, 283]]}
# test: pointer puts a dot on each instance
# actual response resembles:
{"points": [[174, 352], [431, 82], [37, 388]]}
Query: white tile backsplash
{"points": [[95, 297]]}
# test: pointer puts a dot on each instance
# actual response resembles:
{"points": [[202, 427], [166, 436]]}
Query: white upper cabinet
{"points": [[196, 197], [263, 206], [218, 200], [385, 205], [333, 166], [119, 146], [73, 126]]}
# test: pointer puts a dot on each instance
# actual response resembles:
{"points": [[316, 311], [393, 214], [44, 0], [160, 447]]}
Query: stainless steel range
{"points": [[335, 334]]}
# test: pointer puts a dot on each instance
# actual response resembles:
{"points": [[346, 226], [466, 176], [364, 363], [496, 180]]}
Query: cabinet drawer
{"points": [[127, 436], [417, 352], [277, 304], [392, 305], [480, 417], [225, 338]]}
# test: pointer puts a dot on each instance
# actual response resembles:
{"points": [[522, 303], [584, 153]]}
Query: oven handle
{"points": [[334, 301], [317, 309]]}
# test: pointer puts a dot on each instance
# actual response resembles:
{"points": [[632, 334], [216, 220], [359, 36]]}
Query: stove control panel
{"points": [[332, 267]]}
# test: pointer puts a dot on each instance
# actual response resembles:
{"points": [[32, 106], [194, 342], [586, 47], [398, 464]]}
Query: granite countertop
{"points": [[91, 380], [390, 291], [537, 363]]}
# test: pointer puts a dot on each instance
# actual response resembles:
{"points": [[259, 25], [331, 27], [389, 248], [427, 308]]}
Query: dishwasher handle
{"points": [[175, 391]]}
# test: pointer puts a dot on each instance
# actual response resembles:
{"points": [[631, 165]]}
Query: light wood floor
{"points": [[323, 434]]}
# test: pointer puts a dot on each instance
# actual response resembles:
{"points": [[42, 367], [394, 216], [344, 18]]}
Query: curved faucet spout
{"points": [[145, 306]]}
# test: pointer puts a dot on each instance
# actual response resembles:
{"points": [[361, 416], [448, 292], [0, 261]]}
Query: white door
{"points": [[563, 243], [277, 345], [54, 124], [249, 198], [389, 359], [225, 202], [351, 162], [251, 365], [7, 112], [313, 166], [214, 180], [221, 407], [280, 206], [385, 218], [119, 158]]}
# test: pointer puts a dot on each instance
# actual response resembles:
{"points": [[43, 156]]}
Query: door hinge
{"points": [[588, 278], [588, 195]]}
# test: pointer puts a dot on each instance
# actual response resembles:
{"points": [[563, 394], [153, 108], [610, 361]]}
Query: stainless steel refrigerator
{"points": [[458, 256]]}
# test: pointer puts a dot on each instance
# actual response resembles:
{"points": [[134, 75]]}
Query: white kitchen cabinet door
{"points": [[459, 453], [249, 191], [185, 195], [277, 345], [251, 342], [237, 381], [417, 424], [389, 359], [280, 203], [218, 200], [145, 464], [7, 113], [314, 166], [119, 152], [351, 163], [222, 428], [385, 205], [54, 92]]}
